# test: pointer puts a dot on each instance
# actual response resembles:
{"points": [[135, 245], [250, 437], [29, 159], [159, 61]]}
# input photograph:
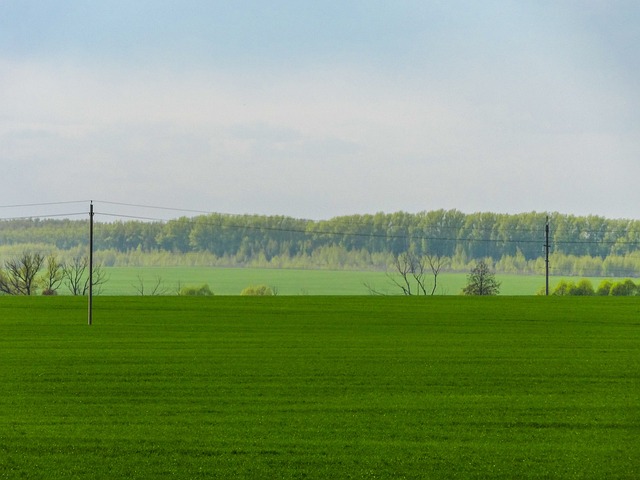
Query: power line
{"points": [[155, 207], [327, 232], [407, 237], [471, 226], [130, 217], [208, 212], [34, 217], [46, 204], [427, 236], [372, 235], [464, 226]]}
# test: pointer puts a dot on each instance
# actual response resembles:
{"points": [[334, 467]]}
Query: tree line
{"points": [[375, 239]]}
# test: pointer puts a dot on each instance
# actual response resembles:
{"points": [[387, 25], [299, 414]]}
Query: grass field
{"points": [[231, 281], [320, 387]]}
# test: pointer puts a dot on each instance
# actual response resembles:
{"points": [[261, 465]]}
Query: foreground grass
{"points": [[320, 387]]}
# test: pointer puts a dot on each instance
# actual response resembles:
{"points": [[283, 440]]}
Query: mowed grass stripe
{"points": [[320, 387]]}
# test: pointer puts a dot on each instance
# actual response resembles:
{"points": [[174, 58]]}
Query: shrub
{"points": [[49, 292], [201, 291], [624, 288], [582, 288], [257, 290], [563, 288], [604, 288]]}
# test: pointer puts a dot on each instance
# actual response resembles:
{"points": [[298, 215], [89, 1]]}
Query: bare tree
{"points": [[436, 263], [73, 273], [52, 276], [139, 286], [19, 275], [157, 288], [99, 279], [371, 289], [76, 277], [411, 270], [402, 266], [411, 273]]}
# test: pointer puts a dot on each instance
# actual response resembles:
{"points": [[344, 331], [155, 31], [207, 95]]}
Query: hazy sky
{"points": [[322, 108]]}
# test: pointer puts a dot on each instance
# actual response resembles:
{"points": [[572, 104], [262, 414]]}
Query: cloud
{"points": [[498, 109]]}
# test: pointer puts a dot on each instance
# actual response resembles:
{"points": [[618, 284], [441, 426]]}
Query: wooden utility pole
{"points": [[546, 256], [91, 263]]}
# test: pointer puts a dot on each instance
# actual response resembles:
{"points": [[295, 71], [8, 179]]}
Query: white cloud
{"points": [[319, 141]]}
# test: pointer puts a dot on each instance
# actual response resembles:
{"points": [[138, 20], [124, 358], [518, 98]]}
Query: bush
{"points": [[582, 288], [563, 288], [623, 289], [201, 291], [49, 292], [604, 288], [257, 290]]}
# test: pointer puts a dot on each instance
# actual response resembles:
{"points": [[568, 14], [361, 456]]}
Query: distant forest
{"points": [[579, 245]]}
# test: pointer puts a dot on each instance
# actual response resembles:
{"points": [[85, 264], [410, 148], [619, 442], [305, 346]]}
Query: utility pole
{"points": [[91, 263], [546, 256]]}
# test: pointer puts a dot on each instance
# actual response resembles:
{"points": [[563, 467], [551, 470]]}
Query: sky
{"points": [[315, 109]]}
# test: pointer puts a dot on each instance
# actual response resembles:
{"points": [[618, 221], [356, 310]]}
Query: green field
{"points": [[320, 387], [231, 281]]}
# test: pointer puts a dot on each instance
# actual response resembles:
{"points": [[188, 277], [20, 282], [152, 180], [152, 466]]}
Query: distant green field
{"points": [[231, 281], [320, 387]]}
